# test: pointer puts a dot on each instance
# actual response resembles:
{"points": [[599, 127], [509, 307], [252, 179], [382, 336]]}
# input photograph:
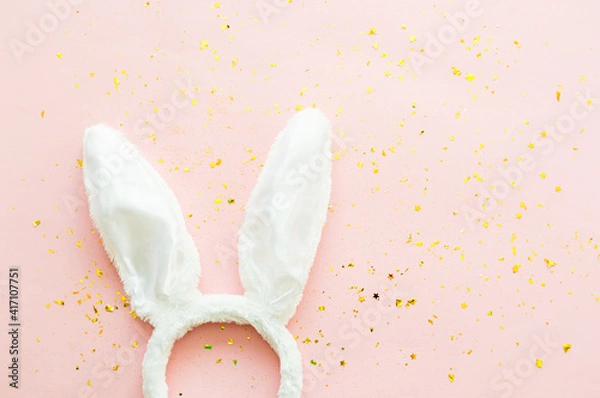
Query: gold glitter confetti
{"points": [[549, 263], [539, 363], [42, 114], [412, 38], [558, 188], [451, 377], [470, 77], [203, 44], [59, 302], [558, 96], [134, 344], [36, 223], [116, 367], [372, 31], [230, 341], [59, 55], [464, 305], [342, 363], [99, 273], [566, 347], [219, 360], [231, 201], [321, 308], [109, 308]]}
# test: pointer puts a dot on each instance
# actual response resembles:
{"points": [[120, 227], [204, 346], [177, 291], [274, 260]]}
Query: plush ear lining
{"points": [[286, 213], [140, 222]]}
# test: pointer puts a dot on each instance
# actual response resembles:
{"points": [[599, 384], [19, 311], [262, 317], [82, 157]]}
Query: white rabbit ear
{"points": [[140, 223], [285, 214]]}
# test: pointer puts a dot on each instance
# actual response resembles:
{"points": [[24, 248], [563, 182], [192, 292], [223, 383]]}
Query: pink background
{"points": [[444, 136]]}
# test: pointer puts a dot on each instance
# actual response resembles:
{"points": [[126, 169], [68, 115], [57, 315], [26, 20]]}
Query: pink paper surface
{"points": [[436, 106]]}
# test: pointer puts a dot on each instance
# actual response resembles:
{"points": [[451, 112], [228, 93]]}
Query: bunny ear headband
{"points": [[144, 234]]}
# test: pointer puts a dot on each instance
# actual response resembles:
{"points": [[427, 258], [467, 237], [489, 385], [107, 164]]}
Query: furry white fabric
{"points": [[144, 234]]}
